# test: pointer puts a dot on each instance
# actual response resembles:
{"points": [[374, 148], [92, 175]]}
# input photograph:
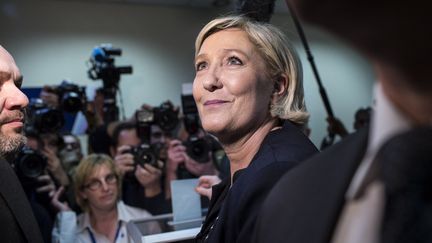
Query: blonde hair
{"points": [[279, 56], [85, 168]]}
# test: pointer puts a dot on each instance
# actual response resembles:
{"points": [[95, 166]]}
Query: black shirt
{"points": [[234, 208]]}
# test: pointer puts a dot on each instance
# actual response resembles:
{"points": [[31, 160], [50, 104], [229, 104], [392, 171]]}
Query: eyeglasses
{"points": [[71, 146], [96, 184]]}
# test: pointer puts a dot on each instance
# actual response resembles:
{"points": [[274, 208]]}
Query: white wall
{"points": [[347, 77], [51, 40]]}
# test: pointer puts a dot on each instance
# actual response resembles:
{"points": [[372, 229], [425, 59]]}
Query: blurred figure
{"points": [[49, 97], [97, 191], [375, 185], [143, 182], [180, 165], [38, 183], [336, 127], [362, 118], [49, 145], [99, 133], [16, 218], [71, 154], [69, 100]]}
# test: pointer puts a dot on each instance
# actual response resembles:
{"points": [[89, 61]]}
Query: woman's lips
{"points": [[214, 102], [107, 197]]}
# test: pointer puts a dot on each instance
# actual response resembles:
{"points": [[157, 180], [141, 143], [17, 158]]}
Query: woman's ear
{"points": [[280, 86]]}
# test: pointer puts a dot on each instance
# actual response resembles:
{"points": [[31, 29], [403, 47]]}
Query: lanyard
{"points": [[93, 239]]}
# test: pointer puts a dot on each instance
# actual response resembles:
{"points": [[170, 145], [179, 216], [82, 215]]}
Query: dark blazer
{"points": [[304, 206], [17, 223], [233, 211]]}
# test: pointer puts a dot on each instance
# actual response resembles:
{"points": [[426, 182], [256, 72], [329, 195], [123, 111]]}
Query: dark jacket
{"points": [[304, 206], [17, 222], [233, 211]]}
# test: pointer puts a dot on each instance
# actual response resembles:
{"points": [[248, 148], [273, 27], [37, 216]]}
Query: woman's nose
{"points": [[104, 185], [212, 81]]}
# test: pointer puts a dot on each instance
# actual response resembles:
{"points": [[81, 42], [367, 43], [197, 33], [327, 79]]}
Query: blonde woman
{"points": [[249, 93], [97, 191]]}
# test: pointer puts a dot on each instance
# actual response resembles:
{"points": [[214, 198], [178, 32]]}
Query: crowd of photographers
{"points": [[149, 150], [130, 162]]}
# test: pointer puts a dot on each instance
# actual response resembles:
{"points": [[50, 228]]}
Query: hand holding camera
{"points": [[179, 153], [176, 155], [124, 160], [46, 185], [54, 166]]}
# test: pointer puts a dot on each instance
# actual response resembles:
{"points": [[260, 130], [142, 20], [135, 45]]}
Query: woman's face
{"points": [[231, 88], [101, 189]]}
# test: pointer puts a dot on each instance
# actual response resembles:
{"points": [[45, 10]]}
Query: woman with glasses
{"points": [[97, 191]]}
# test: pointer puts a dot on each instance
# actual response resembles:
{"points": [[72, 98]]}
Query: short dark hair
{"points": [[118, 129]]}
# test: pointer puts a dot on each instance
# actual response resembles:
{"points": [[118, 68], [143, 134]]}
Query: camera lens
{"points": [[30, 164], [198, 149], [71, 102], [143, 154], [147, 158], [166, 116], [168, 121]]}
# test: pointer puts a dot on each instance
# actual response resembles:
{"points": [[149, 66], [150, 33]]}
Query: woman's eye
{"points": [[200, 66], [234, 61], [94, 184]]}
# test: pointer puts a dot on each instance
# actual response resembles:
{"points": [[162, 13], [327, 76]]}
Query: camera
{"points": [[72, 98], [144, 154], [43, 119], [197, 147], [29, 164], [102, 67], [165, 116]]}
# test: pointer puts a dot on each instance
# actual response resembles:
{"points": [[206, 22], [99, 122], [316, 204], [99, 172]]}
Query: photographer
{"points": [[142, 185], [31, 168], [49, 145], [99, 131], [103, 113], [71, 154], [181, 165], [68, 99]]}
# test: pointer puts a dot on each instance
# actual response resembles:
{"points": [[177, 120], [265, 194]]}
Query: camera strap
{"points": [[93, 239]]}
